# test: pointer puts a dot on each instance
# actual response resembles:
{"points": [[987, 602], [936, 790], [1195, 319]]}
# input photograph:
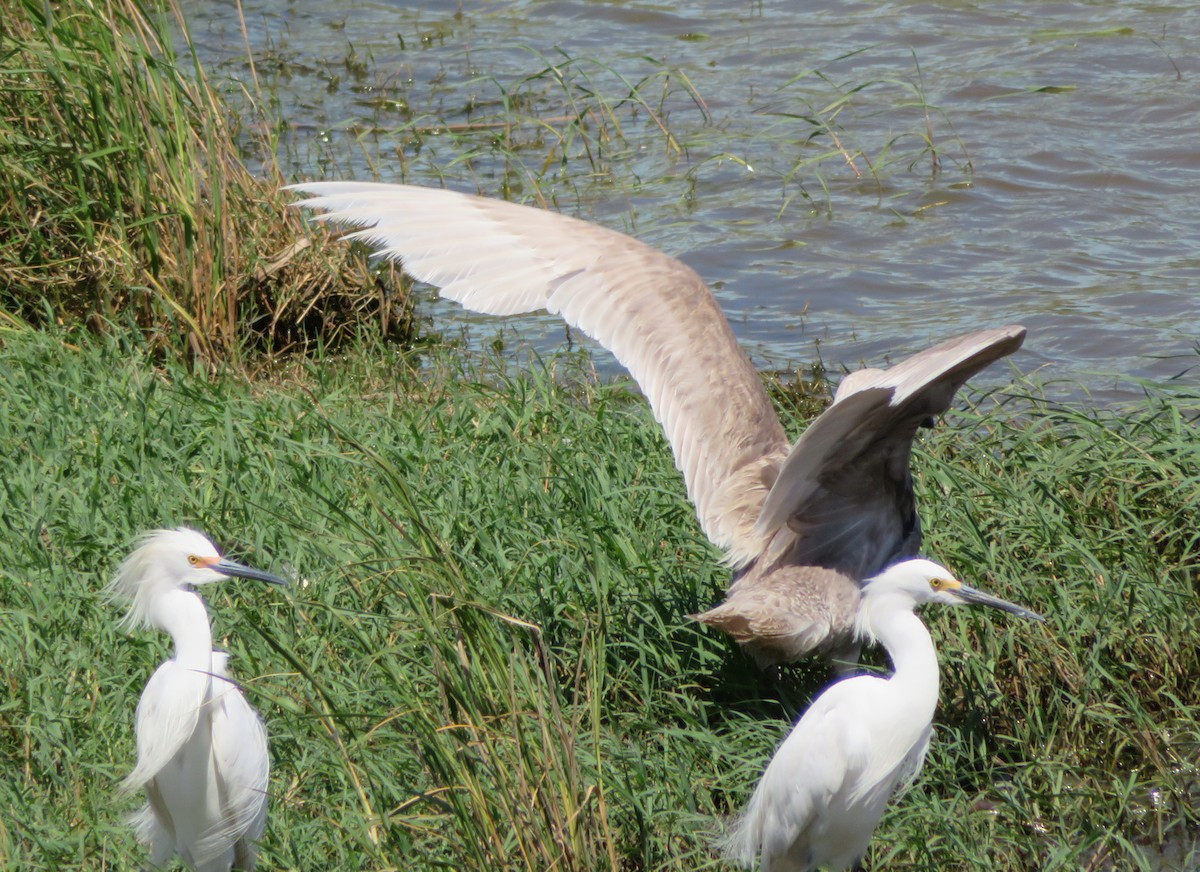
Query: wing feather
{"points": [[653, 313], [167, 715], [836, 469], [243, 768]]}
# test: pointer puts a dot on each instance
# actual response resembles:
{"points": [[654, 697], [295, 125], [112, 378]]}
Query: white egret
{"points": [[202, 750], [803, 525], [825, 789]]}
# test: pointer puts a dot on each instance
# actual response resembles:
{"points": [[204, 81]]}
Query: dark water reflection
{"points": [[1071, 202]]}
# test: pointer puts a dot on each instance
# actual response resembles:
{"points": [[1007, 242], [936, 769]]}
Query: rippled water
{"points": [[1068, 133]]}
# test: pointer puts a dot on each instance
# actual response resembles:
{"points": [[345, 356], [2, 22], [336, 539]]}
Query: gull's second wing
{"points": [[654, 314], [850, 470], [928, 381]]}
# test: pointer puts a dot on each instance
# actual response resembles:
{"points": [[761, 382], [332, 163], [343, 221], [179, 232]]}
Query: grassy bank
{"points": [[125, 202], [483, 660]]}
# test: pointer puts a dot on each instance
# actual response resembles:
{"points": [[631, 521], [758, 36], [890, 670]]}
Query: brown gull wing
{"points": [[854, 459], [656, 316]]}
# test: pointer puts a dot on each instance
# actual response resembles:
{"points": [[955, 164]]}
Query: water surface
{"points": [[1066, 193]]}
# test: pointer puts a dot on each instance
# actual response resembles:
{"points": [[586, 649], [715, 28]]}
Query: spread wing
{"points": [[654, 314], [167, 715], [850, 469]]}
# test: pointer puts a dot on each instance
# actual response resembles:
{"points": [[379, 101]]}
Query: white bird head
{"points": [[909, 583], [174, 559]]}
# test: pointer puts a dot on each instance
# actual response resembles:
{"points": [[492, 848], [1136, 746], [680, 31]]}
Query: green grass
{"points": [[124, 196], [483, 660], [839, 124]]}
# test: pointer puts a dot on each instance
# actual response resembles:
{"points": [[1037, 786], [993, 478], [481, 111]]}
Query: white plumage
{"points": [[202, 750], [824, 791]]}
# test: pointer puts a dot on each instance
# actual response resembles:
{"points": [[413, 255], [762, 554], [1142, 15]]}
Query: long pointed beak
{"points": [[240, 570], [977, 597]]}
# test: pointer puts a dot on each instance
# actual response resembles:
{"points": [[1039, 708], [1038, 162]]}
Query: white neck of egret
{"points": [[910, 648], [181, 614]]}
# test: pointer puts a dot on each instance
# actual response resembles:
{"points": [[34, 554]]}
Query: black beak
{"points": [[979, 598], [240, 570]]}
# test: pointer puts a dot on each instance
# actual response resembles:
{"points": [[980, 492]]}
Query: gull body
{"points": [[801, 524], [826, 787], [202, 749]]}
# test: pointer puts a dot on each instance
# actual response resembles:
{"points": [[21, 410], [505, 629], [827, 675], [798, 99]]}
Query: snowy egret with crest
{"points": [[202, 749], [824, 791], [801, 525]]}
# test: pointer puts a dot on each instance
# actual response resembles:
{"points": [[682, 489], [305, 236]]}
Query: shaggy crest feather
{"points": [[140, 577]]}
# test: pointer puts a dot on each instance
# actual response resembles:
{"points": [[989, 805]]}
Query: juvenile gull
{"points": [[801, 525]]}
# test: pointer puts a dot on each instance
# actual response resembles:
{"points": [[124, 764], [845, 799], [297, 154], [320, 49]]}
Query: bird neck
{"points": [[910, 648], [181, 613]]}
